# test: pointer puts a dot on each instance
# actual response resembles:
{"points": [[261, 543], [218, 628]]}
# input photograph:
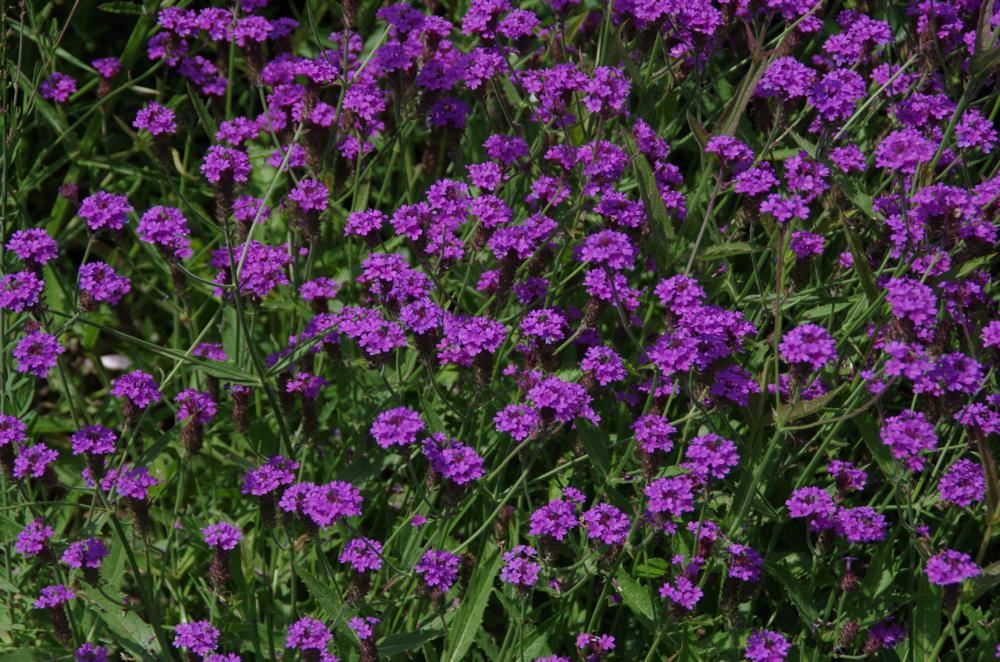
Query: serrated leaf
{"points": [[794, 589], [662, 235], [594, 443], [327, 600], [469, 617], [636, 598], [133, 633], [803, 408]]}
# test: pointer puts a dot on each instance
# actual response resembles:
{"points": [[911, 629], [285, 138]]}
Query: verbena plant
{"points": [[472, 331]]}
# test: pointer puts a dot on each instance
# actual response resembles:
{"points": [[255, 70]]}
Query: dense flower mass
{"points": [[501, 329]]}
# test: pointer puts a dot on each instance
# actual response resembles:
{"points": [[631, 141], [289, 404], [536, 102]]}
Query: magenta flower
{"points": [[222, 535], [32, 538], [810, 345], [155, 118], [310, 195], [962, 484], [682, 592], [33, 246], [520, 569], [199, 637], [37, 353], [362, 554], [195, 404], [225, 163], [308, 634], [54, 596], [87, 553], [104, 211], [102, 284], [452, 459], [396, 427], [94, 440], [136, 387], [438, 569], [766, 646], [58, 87], [20, 291], [167, 229], [606, 523], [950, 567]]}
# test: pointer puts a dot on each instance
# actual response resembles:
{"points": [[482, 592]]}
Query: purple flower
{"points": [[604, 364], [547, 325], [907, 435], [673, 496], [32, 538], [848, 158], [167, 229], [814, 503], [506, 149], [222, 535], [364, 627], [263, 269], [810, 345], [835, 95], [308, 634], [107, 67], [247, 209], [683, 592], [58, 87], [786, 77], [275, 473], [94, 440], [54, 596], [744, 563], [606, 523], [766, 646], [609, 248], [225, 162], [594, 647], [37, 353], [652, 434], [362, 554], [131, 482], [137, 387], [199, 637], [331, 502], [364, 223], [396, 427], [12, 430], [975, 130], [101, 283], [710, 457], [195, 404], [33, 246], [848, 477], [520, 568], [519, 421], [950, 567], [561, 401], [962, 484], [734, 154], [310, 195], [158, 120], [861, 525], [555, 519], [20, 291], [87, 553], [914, 302], [33, 461], [104, 211], [452, 459], [91, 653], [904, 150], [806, 244], [438, 569]]}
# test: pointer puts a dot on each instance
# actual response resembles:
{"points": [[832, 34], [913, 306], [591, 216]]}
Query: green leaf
{"points": [[737, 105], [129, 8], [662, 231], [803, 408], [467, 620], [794, 587], [133, 633], [637, 599], [401, 643], [726, 249], [926, 619], [327, 600], [595, 444], [861, 266]]}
